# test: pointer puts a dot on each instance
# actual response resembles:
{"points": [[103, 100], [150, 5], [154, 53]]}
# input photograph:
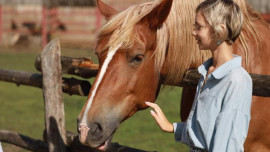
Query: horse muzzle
{"points": [[94, 135]]}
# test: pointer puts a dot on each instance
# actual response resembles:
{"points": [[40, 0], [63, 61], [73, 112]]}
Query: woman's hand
{"points": [[160, 118]]}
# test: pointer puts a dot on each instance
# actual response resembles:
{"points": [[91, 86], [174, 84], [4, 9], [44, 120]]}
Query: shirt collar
{"points": [[223, 70]]}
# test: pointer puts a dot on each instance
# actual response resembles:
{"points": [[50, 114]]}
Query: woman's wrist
{"points": [[169, 128]]}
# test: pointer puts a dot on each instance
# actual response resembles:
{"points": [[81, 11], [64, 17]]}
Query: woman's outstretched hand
{"points": [[160, 118]]}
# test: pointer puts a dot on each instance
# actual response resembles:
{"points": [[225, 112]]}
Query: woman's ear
{"points": [[223, 27], [221, 31]]}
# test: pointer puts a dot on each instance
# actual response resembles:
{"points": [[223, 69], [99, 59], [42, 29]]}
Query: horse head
{"points": [[127, 76]]}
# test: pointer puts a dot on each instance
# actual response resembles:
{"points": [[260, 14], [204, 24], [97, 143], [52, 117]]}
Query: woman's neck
{"points": [[222, 54]]}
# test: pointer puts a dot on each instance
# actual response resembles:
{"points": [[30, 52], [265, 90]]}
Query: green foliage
{"points": [[22, 109]]}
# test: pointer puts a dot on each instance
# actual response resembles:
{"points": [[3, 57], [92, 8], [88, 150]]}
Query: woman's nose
{"points": [[194, 33]]}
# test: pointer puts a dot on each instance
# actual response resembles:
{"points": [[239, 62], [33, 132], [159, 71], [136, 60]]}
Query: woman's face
{"points": [[203, 33]]}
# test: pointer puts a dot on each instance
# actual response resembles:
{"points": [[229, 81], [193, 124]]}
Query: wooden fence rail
{"points": [[73, 86], [73, 143], [82, 67], [261, 83], [85, 68], [69, 85]]}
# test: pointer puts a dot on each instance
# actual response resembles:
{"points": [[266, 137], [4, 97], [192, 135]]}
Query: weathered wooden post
{"points": [[52, 93]]}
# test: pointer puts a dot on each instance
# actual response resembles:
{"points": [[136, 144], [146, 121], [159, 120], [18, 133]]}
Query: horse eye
{"points": [[137, 58]]}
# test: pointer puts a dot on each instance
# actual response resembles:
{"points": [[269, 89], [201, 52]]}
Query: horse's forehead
{"points": [[143, 31], [143, 34], [102, 43]]}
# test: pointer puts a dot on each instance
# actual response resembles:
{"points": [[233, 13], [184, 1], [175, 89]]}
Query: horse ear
{"points": [[106, 10], [159, 14]]}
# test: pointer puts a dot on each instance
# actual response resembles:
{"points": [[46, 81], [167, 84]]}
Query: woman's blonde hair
{"points": [[224, 12]]}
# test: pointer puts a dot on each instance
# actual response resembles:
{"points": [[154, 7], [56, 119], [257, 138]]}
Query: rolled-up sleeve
{"points": [[178, 131]]}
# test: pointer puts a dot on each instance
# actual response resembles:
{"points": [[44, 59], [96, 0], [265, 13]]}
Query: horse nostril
{"points": [[93, 128], [96, 130]]}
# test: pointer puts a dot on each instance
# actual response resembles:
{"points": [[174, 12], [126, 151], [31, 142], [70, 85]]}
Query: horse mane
{"points": [[176, 49], [249, 30]]}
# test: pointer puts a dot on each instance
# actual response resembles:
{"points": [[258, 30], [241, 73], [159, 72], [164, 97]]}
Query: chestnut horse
{"points": [[150, 44]]}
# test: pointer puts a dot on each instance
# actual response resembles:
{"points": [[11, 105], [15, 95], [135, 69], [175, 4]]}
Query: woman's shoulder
{"points": [[239, 75]]}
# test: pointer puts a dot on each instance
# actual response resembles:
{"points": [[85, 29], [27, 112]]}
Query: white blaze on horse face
{"points": [[108, 59]]}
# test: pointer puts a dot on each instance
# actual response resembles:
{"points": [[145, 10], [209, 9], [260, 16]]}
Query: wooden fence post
{"points": [[52, 93]]}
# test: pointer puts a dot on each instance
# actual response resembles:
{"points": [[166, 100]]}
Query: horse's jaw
{"points": [[106, 145], [102, 147]]}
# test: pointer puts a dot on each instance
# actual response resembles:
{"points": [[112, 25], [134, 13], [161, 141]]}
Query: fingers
{"points": [[157, 113], [157, 110], [154, 115], [150, 104], [154, 106], [160, 118]]}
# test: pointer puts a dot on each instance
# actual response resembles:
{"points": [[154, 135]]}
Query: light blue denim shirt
{"points": [[220, 115]]}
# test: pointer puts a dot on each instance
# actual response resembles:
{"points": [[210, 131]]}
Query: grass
{"points": [[22, 108]]}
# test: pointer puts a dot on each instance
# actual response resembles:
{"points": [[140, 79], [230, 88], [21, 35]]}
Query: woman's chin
{"points": [[201, 47]]}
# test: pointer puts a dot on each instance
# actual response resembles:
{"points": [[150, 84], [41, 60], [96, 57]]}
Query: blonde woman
{"points": [[220, 115]]}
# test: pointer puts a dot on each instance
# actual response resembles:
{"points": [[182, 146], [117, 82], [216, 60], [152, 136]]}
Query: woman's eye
{"points": [[197, 27]]}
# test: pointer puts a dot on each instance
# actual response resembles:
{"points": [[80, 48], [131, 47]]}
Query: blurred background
{"points": [[35, 22], [26, 26]]}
